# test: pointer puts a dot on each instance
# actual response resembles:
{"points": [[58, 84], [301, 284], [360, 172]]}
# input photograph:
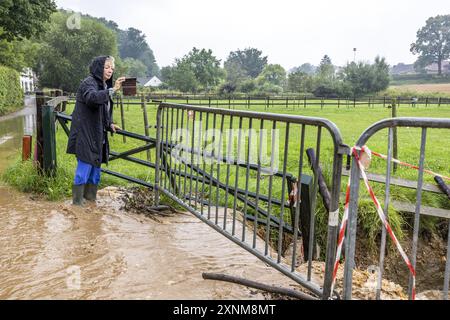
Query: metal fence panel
{"points": [[424, 124], [245, 190]]}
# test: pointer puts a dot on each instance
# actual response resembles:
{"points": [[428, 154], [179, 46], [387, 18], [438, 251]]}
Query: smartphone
{"points": [[129, 86]]}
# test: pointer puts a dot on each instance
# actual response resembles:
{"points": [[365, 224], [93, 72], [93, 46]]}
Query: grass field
{"points": [[351, 122], [442, 88]]}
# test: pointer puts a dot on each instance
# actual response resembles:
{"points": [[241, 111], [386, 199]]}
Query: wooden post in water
{"points": [[144, 110], [27, 142]]}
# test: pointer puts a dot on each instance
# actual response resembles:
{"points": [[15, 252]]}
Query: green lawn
{"points": [[351, 122]]}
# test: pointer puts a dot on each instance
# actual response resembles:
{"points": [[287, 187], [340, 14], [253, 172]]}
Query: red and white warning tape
{"points": [[405, 164], [341, 235], [382, 217]]}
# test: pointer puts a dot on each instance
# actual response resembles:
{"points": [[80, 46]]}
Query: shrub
{"points": [[11, 94]]}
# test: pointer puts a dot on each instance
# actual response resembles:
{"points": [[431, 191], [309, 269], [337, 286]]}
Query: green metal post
{"points": [[49, 137]]}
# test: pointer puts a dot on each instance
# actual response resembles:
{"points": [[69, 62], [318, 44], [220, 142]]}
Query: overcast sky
{"points": [[289, 32]]}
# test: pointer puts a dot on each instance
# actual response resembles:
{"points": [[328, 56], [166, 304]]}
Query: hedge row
{"points": [[11, 94]]}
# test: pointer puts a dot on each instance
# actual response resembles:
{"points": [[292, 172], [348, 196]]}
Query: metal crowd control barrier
{"points": [[226, 185], [391, 124]]}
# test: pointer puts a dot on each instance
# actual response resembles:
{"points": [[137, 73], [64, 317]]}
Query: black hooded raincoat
{"points": [[92, 117]]}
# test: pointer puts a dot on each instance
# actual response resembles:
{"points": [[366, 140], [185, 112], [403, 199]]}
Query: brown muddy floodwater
{"points": [[52, 250], [57, 251]]}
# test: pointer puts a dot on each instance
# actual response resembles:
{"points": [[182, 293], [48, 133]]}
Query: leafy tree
{"points": [[205, 66], [273, 74], [132, 44], [382, 78], [433, 42], [326, 69], [362, 78], [182, 77], [300, 81], [328, 89], [134, 67], [226, 88], [359, 77], [65, 54], [307, 68], [23, 18], [12, 55], [247, 63], [235, 73], [166, 73], [198, 69], [248, 86]]}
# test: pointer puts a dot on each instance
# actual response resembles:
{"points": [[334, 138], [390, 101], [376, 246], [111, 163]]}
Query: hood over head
{"points": [[97, 67]]}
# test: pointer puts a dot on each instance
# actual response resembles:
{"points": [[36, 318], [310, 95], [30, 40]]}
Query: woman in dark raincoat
{"points": [[91, 120]]}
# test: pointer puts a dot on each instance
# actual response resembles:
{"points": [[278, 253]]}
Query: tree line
{"points": [[59, 45], [248, 71], [36, 34]]}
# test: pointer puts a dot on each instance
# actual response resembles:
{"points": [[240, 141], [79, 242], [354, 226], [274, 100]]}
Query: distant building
{"points": [[433, 68], [27, 80], [402, 68], [153, 82]]}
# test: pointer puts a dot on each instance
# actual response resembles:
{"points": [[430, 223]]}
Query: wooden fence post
{"points": [[27, 143]]}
